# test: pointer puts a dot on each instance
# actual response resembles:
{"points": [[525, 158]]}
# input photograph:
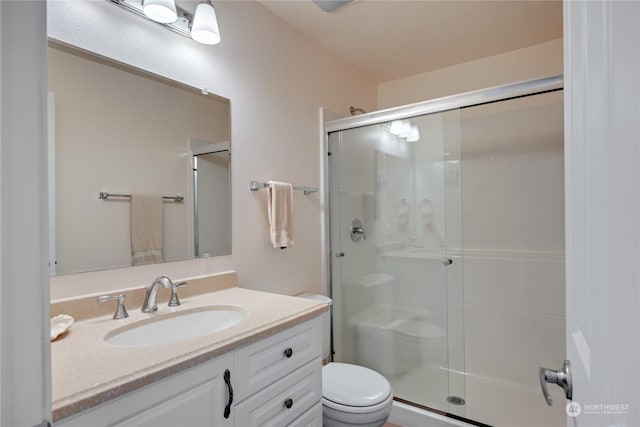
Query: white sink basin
{"points": [[170, 329]]}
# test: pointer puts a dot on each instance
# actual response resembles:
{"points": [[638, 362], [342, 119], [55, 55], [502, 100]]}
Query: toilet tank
{"points": [[326, 323]]}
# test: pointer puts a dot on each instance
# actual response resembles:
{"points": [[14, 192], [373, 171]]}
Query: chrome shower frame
{"points": [[437, 105]]}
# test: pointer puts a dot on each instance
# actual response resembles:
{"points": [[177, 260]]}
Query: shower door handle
{"points": [[561, 377]]}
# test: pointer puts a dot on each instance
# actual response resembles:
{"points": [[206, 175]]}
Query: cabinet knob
{"points": [[288, 352], [288, 403]]}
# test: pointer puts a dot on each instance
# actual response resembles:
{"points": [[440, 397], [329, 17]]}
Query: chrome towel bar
{"points": [[104, 196], [255, 186]]}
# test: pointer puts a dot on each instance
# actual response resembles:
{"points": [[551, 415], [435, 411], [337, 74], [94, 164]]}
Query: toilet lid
{"points": [[353, 385]]}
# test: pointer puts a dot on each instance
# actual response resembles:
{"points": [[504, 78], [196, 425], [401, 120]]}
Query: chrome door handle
{"points": [[562, 378]]}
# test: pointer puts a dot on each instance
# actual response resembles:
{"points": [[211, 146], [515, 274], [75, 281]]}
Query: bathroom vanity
{"points": [[264, 370]]}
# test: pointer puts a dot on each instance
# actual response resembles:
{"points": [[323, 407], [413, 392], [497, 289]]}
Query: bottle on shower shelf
{"points": [[426, 211], [402, 212]]}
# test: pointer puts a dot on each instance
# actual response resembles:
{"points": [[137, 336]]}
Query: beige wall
{"points": [[276, 80], [123, 133], [536, 61]]}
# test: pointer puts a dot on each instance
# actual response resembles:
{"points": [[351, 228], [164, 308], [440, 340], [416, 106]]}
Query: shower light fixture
{"points": [[201, 26]]}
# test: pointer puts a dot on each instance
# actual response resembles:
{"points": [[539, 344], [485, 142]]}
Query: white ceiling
{"points": [[391, 39]]}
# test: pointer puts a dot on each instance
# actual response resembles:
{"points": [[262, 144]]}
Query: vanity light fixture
{"points": [[204, 28], [414, 134], [162, 11], [403, 129], [201, 26]]}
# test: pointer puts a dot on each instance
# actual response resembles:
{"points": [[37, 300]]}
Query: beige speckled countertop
{"points": [[88, 371]]}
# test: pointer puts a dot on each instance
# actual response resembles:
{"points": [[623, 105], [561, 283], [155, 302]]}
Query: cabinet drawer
{"points": [[311, 418], [283, 402], [265, 362]]}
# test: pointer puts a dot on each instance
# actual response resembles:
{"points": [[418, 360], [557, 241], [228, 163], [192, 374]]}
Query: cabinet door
{"points": [[196, 397]]}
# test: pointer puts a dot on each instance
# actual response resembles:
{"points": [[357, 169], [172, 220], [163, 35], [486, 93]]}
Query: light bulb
{"points": [[205, 25], [163, 11]]}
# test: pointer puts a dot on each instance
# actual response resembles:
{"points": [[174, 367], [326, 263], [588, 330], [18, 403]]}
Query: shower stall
{"points": [[447, 249]]}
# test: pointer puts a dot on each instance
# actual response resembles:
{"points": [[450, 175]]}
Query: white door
{"points": [[25, 375], [51, 163], [602, 143]]}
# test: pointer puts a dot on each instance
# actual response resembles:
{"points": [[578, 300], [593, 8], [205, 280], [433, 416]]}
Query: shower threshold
{"points": [[453, 417]]}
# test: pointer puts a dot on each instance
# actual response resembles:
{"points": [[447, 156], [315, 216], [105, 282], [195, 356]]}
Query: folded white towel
{"points": [[280, 207], [146, 230]]}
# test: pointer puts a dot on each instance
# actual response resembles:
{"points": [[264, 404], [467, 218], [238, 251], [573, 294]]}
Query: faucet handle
{"points": [[174, 301], [121, 311]]}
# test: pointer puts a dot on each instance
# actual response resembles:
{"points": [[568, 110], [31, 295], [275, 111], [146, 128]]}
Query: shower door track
{"points": [[441, 413], [438, 105]]}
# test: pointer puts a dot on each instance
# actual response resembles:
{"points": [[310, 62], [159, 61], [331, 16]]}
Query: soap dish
{"points": [[60, 324]]}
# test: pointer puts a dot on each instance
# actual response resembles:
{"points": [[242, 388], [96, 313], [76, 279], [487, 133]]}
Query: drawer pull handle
{"points": [[288, 352], [288, 403], [227, 380]]}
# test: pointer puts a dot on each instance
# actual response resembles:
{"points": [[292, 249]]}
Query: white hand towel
{"points": [[280, 207], [146, 230]]}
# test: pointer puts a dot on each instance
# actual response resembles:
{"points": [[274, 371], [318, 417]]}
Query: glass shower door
{"points": [[396, 264]]}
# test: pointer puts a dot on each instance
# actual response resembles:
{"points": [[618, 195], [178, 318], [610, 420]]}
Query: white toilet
{"points": [[351, 395]]}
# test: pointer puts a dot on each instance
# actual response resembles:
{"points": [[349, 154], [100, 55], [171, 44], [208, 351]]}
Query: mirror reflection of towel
{"points": [[280, 208], [146, 230]]}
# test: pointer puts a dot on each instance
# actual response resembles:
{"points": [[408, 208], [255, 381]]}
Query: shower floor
{"points": [[426, 386]]}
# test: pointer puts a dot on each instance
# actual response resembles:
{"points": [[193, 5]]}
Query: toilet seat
{"points": [[353, 388], [336, 415], [382, 406]]}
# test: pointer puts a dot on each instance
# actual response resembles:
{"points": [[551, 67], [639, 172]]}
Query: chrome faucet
{"points": [[149, 305]]}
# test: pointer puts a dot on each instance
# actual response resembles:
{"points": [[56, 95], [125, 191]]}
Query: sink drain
{"points": [[455, 400]]}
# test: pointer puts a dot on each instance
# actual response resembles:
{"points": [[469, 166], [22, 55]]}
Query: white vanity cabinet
{"points": [[195, 397], [276, 382]]}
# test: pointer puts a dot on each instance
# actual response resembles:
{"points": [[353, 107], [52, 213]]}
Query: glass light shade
{"points": [[205, 25], [405, 129], [414, 135], [163, 11], [396, 127]]}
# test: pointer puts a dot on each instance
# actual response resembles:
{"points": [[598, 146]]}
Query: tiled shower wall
{"points": [[513, 243]]}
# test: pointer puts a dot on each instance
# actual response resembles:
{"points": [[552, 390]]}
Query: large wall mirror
{"points": [[127, 133]]}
